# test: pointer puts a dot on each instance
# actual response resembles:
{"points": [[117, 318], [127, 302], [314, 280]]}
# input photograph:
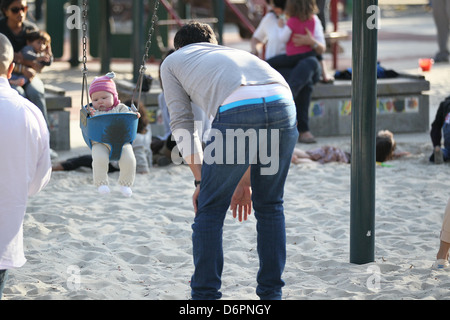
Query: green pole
{"points": [[105, 37], [219, 12], [74, 39], [364, 96], [55, 25], [138, 42]]}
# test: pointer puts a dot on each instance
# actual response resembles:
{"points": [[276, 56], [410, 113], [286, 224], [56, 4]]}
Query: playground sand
{"points": [[80, 245]]}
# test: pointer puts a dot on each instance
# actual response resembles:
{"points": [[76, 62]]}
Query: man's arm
{"points": [[194, 162]]}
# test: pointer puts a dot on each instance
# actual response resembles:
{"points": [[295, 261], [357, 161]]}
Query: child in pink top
{"points": [[295, 25], [303, 21]]}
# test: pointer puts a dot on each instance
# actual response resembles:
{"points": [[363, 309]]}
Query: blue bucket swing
{"points": [[114, 129]]}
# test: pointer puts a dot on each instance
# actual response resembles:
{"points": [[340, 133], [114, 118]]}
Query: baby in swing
{"points": [[104, 99]]}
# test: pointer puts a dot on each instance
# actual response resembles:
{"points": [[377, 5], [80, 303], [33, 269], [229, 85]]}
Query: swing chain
{"points": [[148, 44], [84, 70], [144, 59], [150, 32]]}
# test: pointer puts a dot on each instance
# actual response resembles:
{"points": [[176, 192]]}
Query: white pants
{"points": [[445, 232], [100, 161]]}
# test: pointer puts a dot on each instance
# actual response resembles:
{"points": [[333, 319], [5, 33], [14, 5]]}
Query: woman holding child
{"points": [[15, 27], [305, 72]]}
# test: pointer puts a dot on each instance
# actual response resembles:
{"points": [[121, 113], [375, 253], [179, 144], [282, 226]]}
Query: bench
{"points": [[402, 106], [58, 117]]}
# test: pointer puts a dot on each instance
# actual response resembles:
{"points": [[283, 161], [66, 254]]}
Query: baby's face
{"points": [[39, 45], [102, 100]]}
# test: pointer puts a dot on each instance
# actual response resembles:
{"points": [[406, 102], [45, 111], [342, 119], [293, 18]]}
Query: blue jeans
{"points": [[219, 182], [3, 277], [284, 61], [301, 79], [35, 92]]}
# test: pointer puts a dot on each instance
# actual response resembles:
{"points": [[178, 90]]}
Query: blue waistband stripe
{"points": [[245, 102]]}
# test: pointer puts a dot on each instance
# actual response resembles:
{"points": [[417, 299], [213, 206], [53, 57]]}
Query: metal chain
{"points": [[150, 32], [143, 68], [144, 58], [84, 70]]}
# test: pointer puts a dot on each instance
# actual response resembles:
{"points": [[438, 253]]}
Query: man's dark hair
{"points": [[384, 149], [194, 32], [279, 4], [32, 35]]}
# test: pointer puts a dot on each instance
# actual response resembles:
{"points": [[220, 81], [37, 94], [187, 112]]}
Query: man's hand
{"points": [[195, 198], [241, 202]]}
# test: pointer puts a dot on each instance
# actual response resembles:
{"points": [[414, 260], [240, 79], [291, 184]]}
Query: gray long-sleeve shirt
{"points": [[207, 74]]}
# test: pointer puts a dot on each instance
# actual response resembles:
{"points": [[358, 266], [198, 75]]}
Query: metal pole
{"points": [[105, 37], [364, 96], [219, 12], [138, 42], [74, 40], [334, 44]]}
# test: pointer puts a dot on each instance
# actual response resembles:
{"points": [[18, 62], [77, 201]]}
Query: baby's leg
{"points": [[100, 161], [127, 164]]}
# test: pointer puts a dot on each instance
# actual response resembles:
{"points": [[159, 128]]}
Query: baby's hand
{"points": [[43, 59], [138, 114], [91, 111]]}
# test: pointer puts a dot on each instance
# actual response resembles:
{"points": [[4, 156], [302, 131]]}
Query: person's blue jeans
{"points": [[284, 61], [302, 79], [220, 180], [35, 92], [3, 278]]}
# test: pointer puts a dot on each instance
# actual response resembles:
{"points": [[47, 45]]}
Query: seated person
{"points": [[441, 125], [38, 50]]}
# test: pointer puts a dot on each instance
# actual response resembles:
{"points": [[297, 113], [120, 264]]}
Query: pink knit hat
{"points": [[105, 83]]}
